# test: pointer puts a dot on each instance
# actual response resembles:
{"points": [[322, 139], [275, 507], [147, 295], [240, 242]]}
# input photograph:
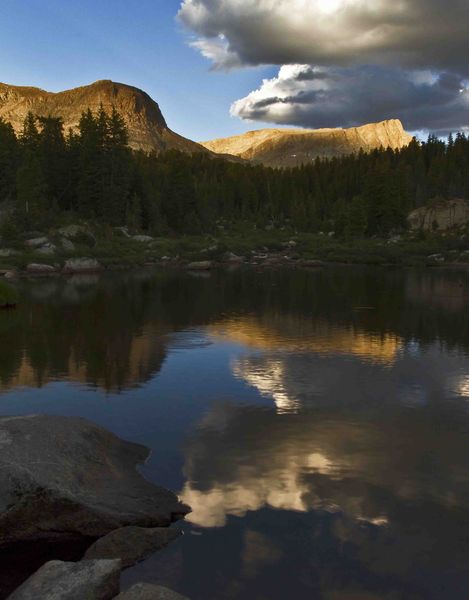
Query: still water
{"points": [[316, 421]]}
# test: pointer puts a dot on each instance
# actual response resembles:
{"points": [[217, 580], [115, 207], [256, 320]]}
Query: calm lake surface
{"points": [[317, 422]]}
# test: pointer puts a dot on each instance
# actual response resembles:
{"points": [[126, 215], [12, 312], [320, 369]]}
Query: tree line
{"points": [[47, 174]]}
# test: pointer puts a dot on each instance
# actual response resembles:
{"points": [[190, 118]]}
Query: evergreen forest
{"points": [[47, 174]]}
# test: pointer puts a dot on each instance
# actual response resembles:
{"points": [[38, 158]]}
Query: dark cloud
{"points": [[348, 97], [377, 59], [407, 33]]}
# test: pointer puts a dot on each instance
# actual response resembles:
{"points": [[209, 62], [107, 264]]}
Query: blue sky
{"points": [[59, 44], [325, 63]]}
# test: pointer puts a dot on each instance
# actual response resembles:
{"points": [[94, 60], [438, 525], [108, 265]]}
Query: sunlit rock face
{"points": [[293, 147], [146, 125]]}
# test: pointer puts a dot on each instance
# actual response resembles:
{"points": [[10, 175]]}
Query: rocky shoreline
{"points": [[83, 248], [64, 479]]}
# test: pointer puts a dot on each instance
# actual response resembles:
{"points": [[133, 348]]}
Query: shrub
{"points": [[8, 295]]}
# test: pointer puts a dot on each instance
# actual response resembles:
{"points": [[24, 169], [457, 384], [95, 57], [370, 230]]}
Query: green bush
{"points": [[8, 295]]}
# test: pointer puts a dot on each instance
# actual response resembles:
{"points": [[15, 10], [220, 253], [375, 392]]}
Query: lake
{"points": [[316, 421]]}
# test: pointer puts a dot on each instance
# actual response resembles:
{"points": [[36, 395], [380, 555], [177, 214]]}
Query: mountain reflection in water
{"points": [[316, 422]]}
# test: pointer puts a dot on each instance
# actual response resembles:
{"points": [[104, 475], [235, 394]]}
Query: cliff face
{"points": [[294, 147], [147, 127]]}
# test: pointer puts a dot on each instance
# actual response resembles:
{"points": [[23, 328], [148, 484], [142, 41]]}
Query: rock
{"points": [[440, 215], [295, 147], [147, 591], [85, 580], [7, 252], [73, 231], [122, 231], [203, 265], [78, 234], [38, 268], [312, 263], [65, 476], [436, 258], [131, 544], [67, 245], [46, 250], [80, 265], [233, 259], [10, 274], [36, 242], [146, 126], [143, 239]]}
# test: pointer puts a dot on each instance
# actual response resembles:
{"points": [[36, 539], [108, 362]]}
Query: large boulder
{"points": [[63, 476], [148, 591], [132, 544], [82, 265], [440, 215], [85, 580]]}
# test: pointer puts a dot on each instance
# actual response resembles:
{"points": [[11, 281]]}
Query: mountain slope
{"points": [[147, 127], [294, 147]]}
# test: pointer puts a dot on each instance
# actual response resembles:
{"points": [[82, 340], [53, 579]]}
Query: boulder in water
{"points": [[85, 580], [132, 544], [63, 476]]}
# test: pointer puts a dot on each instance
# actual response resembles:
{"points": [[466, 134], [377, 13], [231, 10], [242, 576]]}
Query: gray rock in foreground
{"points": [[131, 544], [85, 580], [147, 591], [63, 476]]}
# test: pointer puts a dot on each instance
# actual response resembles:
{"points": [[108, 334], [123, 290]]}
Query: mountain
{"points": [[147, 127], [294, 147]]}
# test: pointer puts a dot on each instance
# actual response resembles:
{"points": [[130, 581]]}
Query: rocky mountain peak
{"points": [[147, 127], [294, 147]]}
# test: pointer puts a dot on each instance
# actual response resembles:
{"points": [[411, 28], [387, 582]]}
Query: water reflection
{"points": [[114, 331], [293, 333], [317, 422], [363, 467]]}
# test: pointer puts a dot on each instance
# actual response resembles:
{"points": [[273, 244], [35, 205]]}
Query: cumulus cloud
{"points": [[307, 96], [346, 62], [409, 33]]}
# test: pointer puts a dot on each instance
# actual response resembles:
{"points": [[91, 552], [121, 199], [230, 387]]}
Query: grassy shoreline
{"points": [[258, 248]]}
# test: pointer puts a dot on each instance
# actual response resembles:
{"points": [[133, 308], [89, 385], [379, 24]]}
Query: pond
{"points": [[316, 421]]}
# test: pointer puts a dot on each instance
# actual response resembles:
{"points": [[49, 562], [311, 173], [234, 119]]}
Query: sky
{"points": [[222, 67]]}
